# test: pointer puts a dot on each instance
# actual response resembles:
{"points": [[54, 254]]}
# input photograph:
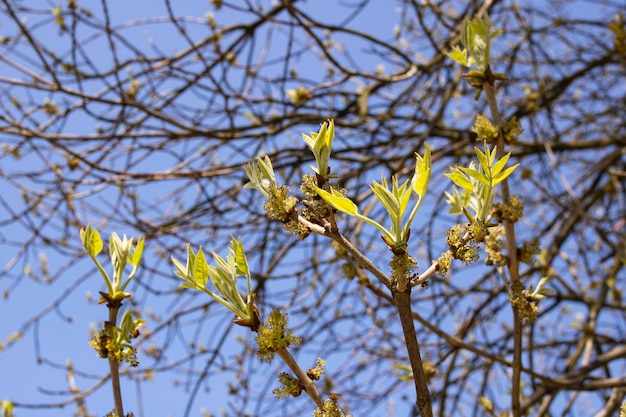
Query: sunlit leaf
{"points": [[498, 166], [91, 240], [180, 270], [200, 269], [460, 56], [135, 257], [483, 158], [267, 170], [504, 174], [127, 323], [338, 201], [459, 179], [190, 260], [240, 257], [309, 140], [189, 284], [477, 175], [386, 198], [457, 201], [421, 178]]}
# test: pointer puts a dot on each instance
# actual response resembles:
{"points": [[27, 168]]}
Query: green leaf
{"points": [[221, 279], [476, 36], [267, 170], [504, 174], [338, 201], [320, 144], [93, 246], [460, 56], [240, 257], [421, 178], [484, 159], [486, 404], [345, 205], [324, 139], [116, 248], [222, 264], [498, 166], [127, 323], [419, 184], [7, 408], [401, 193], [477, 175], [457, 201], [495, 33], [260, 172], [200, 269], [310, 141], [180, 270], [135, 257], [386, 198], [91, 240], [480, 28], [459, 179], [190, 285], [467, 37]]}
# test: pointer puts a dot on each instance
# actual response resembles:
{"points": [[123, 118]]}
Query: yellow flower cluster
{"points": [[487, 132], [274, 336]]}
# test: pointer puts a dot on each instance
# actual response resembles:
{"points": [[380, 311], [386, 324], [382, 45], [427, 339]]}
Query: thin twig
{"points": [[361, 259], [425, 276], [307, 383]]}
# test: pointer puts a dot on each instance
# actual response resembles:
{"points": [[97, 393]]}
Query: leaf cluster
{"points": [[197, 272], [122, 253], [478, 184], [476, 36], [394, 198]]}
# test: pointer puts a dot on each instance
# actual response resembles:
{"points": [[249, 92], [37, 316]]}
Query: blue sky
{"points": [[70, 310]]}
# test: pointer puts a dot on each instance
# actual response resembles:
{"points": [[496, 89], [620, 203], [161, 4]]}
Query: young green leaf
{"points": [[260, 174], [180, 271], [321, 144], [477, 175], [484, 159], [240, 257], [504, 174], [266, 168], [93, 246], [338, 201], [126, 326], [134, 257], [387, 198], [457, 201], [421, 178], [200, 269], [459, 178], [91, 240], [460, 56]]}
